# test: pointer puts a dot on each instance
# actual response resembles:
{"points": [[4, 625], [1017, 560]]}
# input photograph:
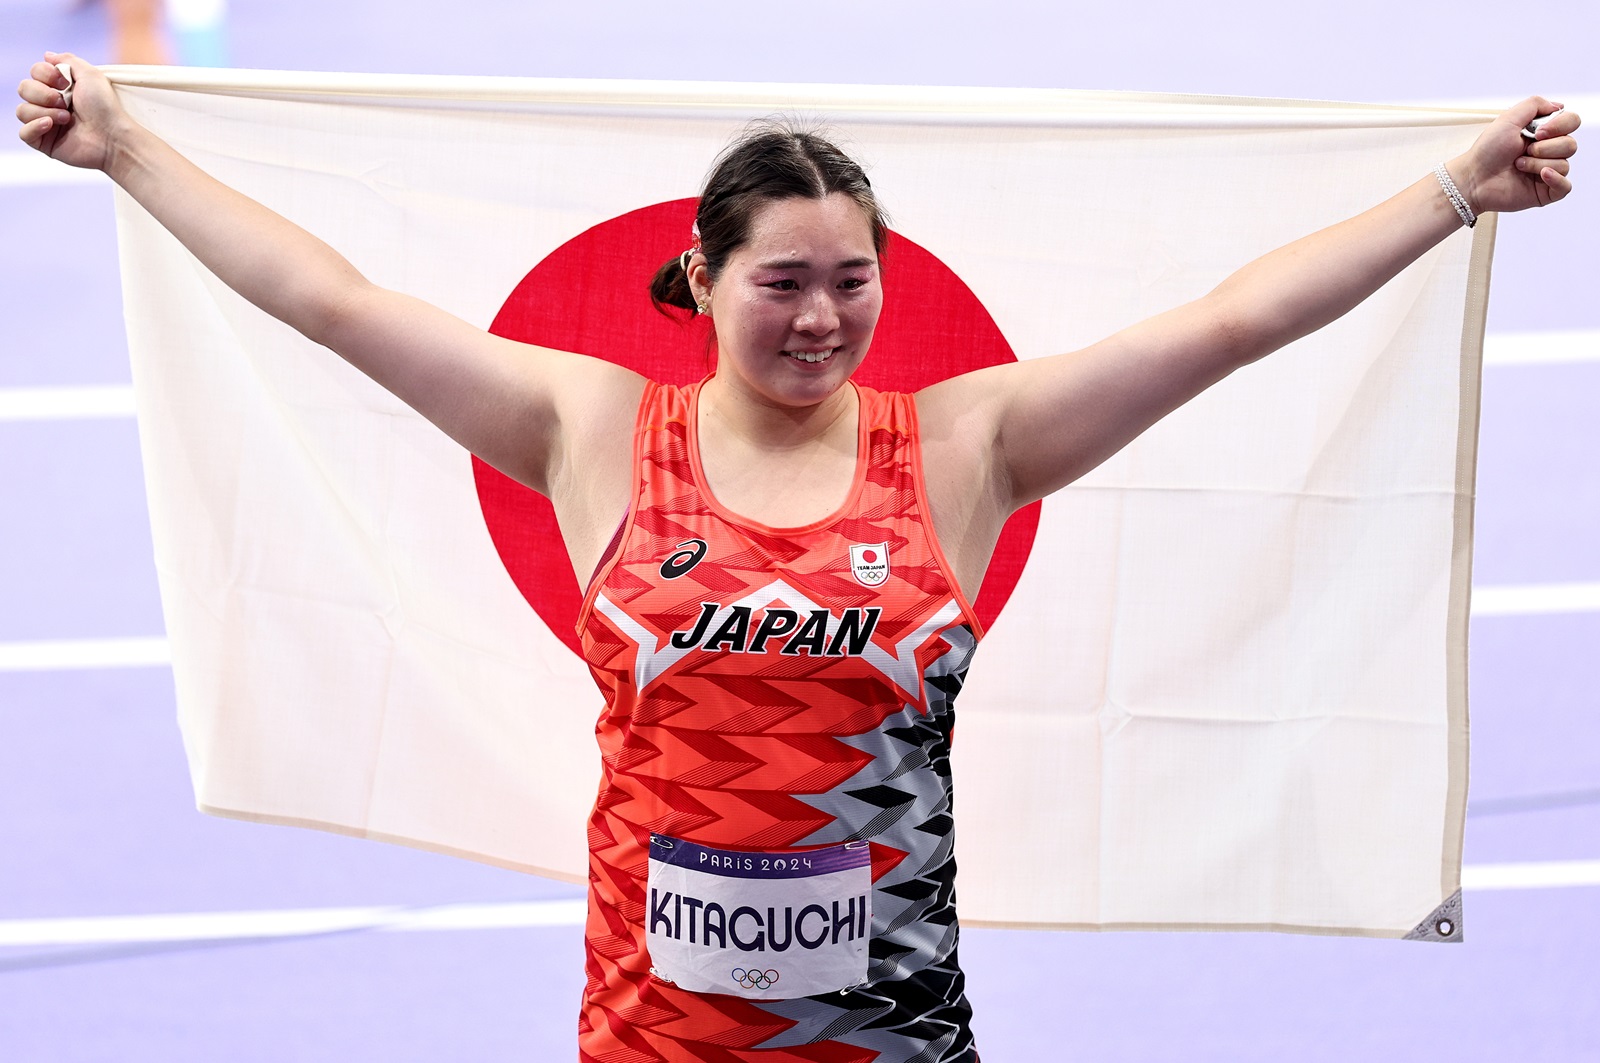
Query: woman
{"points": [[781, 562]]}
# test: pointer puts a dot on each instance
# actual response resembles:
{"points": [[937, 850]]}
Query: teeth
{"points": [[811, 356]]}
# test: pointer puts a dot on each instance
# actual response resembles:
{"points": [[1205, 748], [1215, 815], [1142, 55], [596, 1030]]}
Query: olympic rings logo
{"points": [[754, 979]]}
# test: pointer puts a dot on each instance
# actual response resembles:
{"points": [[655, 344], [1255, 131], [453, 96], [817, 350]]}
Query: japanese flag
{"points": [[1224, 680]]}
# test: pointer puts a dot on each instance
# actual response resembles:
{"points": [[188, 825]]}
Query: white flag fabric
{"points": [[1224, 681]]}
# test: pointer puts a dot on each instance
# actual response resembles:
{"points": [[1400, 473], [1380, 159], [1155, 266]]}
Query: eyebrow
{"points": [[800, 263]]}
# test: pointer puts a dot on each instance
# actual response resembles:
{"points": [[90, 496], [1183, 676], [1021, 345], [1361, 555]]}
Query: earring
{"points": [[702, 308]]}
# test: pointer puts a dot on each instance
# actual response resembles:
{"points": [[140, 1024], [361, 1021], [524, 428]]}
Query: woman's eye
{"points": [[785, 285], [853, 283]]}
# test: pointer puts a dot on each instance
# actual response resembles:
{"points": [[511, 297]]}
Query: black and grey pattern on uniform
{"points": [[913, 1006]]}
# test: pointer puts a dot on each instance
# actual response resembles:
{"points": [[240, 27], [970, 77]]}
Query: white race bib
{"points": [[768, 926]]}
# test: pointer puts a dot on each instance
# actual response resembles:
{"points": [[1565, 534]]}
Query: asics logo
{"points": [[684, 556], [754, 979]]}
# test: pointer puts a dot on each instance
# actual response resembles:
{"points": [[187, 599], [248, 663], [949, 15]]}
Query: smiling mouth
{"points": [[812, 356]]}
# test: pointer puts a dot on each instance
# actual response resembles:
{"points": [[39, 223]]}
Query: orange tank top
{"points": [[772, 690]]}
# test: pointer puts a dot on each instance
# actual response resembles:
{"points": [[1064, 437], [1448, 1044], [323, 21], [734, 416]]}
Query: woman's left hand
{"points": [[1505, 171]]}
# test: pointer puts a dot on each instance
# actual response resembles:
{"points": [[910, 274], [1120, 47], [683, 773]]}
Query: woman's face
{"points": [[796, 305]]}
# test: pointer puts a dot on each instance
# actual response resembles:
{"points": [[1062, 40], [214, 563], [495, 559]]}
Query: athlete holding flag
{"points": [[780, 562]]}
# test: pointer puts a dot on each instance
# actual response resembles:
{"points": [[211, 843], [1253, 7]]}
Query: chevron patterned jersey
{"points": [[769, 692]]}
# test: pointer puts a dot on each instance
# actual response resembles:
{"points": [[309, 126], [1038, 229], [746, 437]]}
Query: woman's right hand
{"points": [[534, 414], [79, 136]]}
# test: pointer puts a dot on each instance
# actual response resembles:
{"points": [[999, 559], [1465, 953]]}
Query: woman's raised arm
{"points": [[1033, 427], [524, 410]]}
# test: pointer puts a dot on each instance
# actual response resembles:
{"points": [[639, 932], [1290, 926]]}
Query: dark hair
{"points": [[772, 160]]}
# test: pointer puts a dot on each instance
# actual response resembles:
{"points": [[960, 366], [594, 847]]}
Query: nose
{"points": [[818, 316]]}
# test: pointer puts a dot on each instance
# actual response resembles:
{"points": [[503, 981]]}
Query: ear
{"points": [[699, 277]]}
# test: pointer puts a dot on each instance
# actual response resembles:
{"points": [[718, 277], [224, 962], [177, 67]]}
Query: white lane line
{"points": [[1544, 875], [66, 403], [58, 655], [1541, 348], [223, 926], [116, 400], [65, 655], [20, 169], [1536, 598]]}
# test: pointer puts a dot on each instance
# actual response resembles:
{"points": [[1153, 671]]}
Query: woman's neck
{"points": [[734, 416], [781, 467]]}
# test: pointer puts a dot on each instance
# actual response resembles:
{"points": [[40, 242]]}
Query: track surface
{"points": [[98, 818]]}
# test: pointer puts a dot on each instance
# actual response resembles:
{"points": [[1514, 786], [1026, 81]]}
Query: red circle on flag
{"points": [[869, 556], [590, 295]]}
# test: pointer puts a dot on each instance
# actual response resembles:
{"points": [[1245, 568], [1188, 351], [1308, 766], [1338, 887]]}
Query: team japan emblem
{"points": [[869, 563]]}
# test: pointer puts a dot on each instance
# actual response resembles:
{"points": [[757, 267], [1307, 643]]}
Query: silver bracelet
{"points": [[1457, 200]]}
